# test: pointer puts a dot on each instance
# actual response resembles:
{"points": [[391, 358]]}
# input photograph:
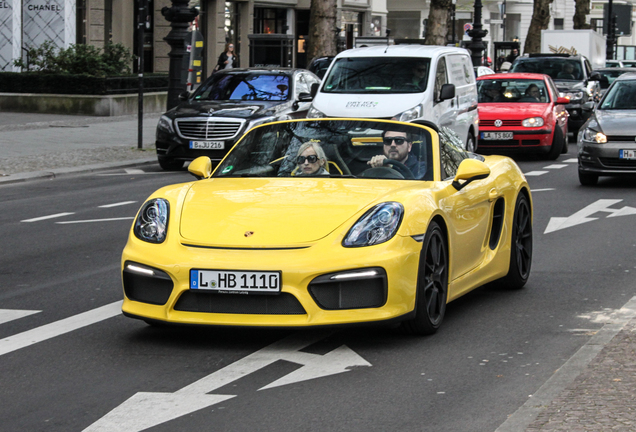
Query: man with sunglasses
{"points": [[397, 146]]}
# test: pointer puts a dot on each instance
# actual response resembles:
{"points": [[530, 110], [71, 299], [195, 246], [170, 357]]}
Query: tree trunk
{"points": [[323, 35], [540, 21], [437, 24], [581, 8]]}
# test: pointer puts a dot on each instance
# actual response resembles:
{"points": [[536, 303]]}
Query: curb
{"points": [[67, 172]]}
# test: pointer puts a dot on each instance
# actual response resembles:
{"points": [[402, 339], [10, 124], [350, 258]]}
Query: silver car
{"points": [[607, 141]]}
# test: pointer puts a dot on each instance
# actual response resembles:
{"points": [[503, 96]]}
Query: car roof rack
{"points": [[550, 55]]}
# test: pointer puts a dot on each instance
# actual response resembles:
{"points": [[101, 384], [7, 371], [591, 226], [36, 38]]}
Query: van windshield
{"points": [[378, 75]]}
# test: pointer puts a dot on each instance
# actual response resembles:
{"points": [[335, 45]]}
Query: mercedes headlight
{"points": [[595, 136], [165, 124], [152, 222], [575, 96], [376, 226], [411, 114], [314, 113], [532, 122]]}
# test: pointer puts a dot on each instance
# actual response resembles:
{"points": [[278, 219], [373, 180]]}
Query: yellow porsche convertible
{"points": [[320, 222]]}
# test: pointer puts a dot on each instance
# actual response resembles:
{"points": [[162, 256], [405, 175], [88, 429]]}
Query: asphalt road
{"points": [[62, 371]]}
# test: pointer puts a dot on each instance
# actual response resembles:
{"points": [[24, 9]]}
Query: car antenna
{"points": [[388, 32]]}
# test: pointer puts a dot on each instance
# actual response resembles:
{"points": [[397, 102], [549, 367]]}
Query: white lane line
{"points": [[117, 204], [57, 328], [7, 315], [555, 166], [535, 173], [57, 215], [134, 171], [542, 190], [573, 160], [95, 220]]}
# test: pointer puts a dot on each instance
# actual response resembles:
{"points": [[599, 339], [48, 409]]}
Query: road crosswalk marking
{"points": [[7, 315]]}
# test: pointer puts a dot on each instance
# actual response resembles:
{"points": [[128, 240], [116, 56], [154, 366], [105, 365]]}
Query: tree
{"points": [[581, 8], [540, 21], [323, 32], [437, 24]]}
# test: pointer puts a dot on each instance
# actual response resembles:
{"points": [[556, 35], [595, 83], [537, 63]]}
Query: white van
{"points": [[403, 82]]}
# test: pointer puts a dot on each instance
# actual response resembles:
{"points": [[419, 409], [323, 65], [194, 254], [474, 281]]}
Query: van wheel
{"points": [[471, 144]]}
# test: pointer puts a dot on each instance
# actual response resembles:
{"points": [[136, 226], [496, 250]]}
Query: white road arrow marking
{"points": [[145, 410], [7, 315], [582, 216]]}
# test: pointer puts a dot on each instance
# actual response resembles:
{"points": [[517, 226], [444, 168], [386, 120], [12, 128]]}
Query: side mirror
{"points": [[595, 76], [562, 100], [470, 170], [587, 106], [447, 92], [184, 96], [305, 97], [314, 89], [201, 167]]}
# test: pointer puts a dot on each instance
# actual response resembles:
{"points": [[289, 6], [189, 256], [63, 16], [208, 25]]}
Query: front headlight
{"points": [[376, 226], [575, 96], [314, 113], [411, 114], [152, 222], [595, 136], [532, 122], [260, 121], [165, 124]]}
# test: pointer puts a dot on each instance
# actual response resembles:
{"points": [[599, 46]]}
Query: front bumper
{"points": [[538, 139], [603, 159], [301, 302], [173, 147]]}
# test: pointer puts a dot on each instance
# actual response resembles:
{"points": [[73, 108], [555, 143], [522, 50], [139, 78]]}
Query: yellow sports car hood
{"points": [[274, 212]]}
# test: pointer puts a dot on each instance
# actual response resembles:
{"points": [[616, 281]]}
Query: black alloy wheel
{"points": [[432, 284], [520, 246]]}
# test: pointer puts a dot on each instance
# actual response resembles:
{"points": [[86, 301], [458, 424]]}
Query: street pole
{"points": [[477, 33], [454, 15], [179, 15], [141, 18], [611, 36]]}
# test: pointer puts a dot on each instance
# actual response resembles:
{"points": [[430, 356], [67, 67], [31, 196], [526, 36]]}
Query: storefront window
{"points": [[270, 20]]}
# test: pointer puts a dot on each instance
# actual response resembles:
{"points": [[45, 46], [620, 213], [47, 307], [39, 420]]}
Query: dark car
{"points": [[573, 77], [609, 74], [228, 104], [320, 65], [607, 142]]}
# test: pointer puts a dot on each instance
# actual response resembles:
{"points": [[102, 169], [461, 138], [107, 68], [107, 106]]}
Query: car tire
{"points": [[170, 164], [471, 144], [520, 246], [587, 179], [432, 284], [565, 142], [558, 142]]}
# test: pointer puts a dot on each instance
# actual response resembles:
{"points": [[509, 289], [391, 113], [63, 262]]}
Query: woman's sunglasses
{"points": [[310, 159], [398, 141]]}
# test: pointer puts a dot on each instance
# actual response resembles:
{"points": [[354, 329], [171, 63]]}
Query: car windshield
{"points": [[558, 68], [250, 86], [621, 96], [378, 75], [332, 148], [512, 90]]}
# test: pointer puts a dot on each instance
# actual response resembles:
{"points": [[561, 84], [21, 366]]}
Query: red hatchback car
{"points": [[522, 112]]}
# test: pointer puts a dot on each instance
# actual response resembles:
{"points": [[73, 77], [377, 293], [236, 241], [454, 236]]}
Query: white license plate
{"points": [[496, 135], [627, 154], [207, 145], [233, 281]]}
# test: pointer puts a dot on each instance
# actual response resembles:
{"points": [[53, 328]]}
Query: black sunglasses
{"points": [[311, 159], [398, 141]]}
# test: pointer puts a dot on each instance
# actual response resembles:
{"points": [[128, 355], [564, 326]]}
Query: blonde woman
{"points": [[311, 160]]}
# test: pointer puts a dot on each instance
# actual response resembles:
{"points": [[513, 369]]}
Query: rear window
{"points": [[367, 75], [245, 86]]}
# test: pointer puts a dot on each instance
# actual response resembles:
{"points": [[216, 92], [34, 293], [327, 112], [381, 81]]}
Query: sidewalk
{"points": [[36, 146]]}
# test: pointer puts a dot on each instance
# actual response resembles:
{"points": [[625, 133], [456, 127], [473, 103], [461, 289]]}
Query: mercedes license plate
{"points": [[627, 154], [496, 135], [207, 145], [235, 281]]}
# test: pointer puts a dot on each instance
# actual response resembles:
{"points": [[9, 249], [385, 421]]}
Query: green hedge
{"points": [[34, 82]]}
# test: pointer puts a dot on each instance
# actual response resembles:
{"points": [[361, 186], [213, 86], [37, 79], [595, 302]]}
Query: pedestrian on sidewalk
{"points": [[228, 58]]}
